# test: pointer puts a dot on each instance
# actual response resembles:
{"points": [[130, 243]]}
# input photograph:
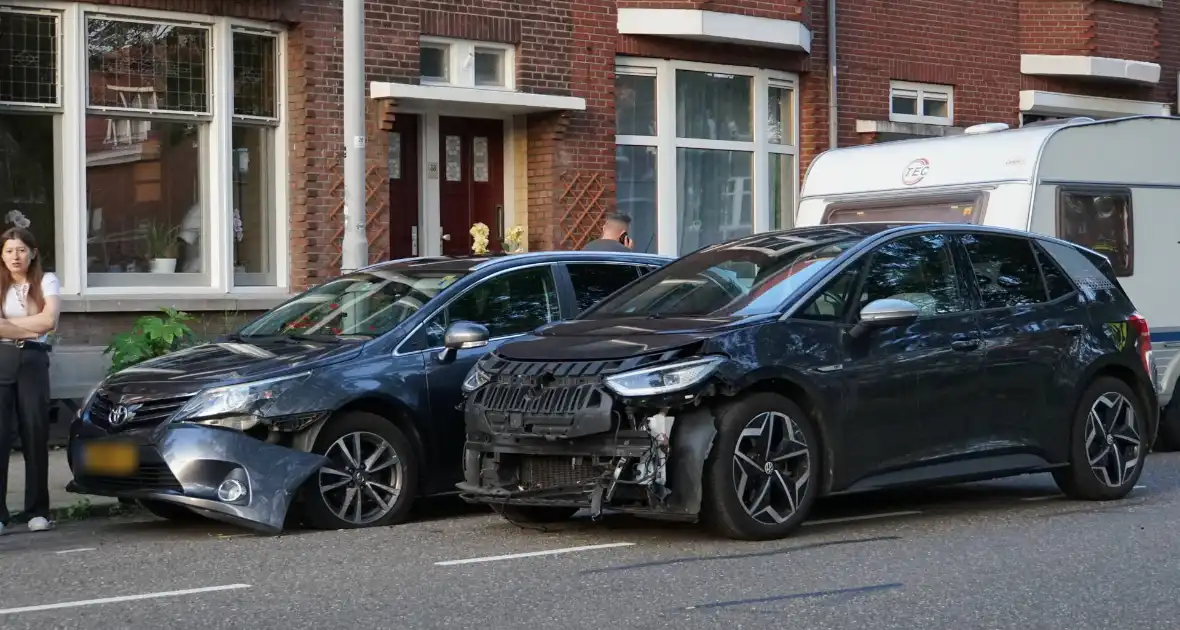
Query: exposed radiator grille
{"points": [[148, 412], [555, 471]]}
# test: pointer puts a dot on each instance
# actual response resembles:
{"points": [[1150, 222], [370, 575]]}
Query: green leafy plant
{"points": [[161, 241], [151, 336]]}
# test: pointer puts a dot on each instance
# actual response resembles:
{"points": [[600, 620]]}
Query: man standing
{"points": [[614, 235]]}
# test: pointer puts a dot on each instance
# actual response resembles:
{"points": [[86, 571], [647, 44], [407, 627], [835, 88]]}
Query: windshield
{"points": [[748, 277], [364, 304]]}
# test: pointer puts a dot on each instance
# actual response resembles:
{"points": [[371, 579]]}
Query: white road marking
{"points": [[123, 598], [529, 554], [864, 517], [1140, 487], [79, 549]]}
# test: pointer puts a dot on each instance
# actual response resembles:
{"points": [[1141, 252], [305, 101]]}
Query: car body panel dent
{"points": [[199, 459]]}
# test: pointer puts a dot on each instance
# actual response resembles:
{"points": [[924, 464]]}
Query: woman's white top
{"points": [[15, 302]]}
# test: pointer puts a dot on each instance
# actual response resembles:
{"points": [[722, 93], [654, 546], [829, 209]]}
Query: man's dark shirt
{"points": [[605, 245]]}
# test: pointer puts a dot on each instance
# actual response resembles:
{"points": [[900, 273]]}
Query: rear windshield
{"points": [[932, 212]]}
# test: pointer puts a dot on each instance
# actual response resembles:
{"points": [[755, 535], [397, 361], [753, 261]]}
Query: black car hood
{"points": [[191, 369], [618, 338]]}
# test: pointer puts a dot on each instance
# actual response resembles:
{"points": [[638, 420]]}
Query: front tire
{"points": [[761, 477], [1107, 446], [371, 478]]}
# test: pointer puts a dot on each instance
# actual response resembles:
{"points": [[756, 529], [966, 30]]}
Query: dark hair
{"points": [[619, 218], [34, 275]]}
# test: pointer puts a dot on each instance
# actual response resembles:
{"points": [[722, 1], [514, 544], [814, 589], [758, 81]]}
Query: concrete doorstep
{"points": [[63, 506]]}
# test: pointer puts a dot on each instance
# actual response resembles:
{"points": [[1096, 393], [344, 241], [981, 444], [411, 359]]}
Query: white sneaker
{"points": [[39, 524], [1, 529]]}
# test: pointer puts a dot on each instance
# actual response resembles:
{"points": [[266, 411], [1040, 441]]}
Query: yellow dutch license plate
{"points": [[114, 459]]}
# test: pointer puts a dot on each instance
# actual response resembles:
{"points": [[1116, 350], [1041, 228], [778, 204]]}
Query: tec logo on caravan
{"points": [[915, 171]]}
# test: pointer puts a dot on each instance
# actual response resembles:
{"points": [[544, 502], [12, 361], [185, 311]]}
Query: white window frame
{"points": [[461, 74], [64, 271], [920, 92], [216, 159], [666, 142]]}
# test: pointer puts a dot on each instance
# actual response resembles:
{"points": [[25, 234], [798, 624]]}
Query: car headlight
{"points": [[237, 406], [476, 378], [663, 379]]}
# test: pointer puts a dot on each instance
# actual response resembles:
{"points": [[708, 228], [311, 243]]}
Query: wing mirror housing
{"points": [[885, 313], [461, 336]]}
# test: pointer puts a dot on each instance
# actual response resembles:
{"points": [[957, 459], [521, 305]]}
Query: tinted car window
{"points": [[511, 303], [594, 281], [918, 269], [363, 303], [750, 276], [1006, 270], [832, 301], [1055, 281]]}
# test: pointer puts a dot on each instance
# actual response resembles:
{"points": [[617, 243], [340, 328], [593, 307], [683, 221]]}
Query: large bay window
{"points": [[150, 141], [704, 153]]}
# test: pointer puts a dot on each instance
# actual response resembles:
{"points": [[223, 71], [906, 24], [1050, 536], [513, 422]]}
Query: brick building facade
{"points": [[219, 123]]}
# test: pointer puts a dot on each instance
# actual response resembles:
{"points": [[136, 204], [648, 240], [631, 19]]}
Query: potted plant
{"points": [[162, 248]]}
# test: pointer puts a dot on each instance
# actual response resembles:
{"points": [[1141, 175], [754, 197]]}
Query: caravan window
{"points": [[933, 212], [1101, 220]]}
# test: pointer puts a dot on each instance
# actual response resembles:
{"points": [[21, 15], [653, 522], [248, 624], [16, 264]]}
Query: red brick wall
{"points": [[1125, 31], [1056, 27]]}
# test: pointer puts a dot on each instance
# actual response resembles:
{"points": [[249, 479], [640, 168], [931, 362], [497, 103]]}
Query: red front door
{"points": [[403, 188], [471, 181]]}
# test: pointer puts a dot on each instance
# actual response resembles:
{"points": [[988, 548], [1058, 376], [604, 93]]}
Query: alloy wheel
{"points": [[1113, 445], [771, 467], [363, 479]]}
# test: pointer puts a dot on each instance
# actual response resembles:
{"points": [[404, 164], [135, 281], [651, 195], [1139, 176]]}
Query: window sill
{"points": [[1158, 4], [220, 302]]}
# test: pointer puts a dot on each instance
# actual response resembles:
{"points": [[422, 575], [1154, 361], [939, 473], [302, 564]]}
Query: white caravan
{"points": [[1110, 185]]}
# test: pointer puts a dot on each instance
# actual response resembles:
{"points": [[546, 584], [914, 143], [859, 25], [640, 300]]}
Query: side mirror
{"points": [[460, 336], [883, 314]]}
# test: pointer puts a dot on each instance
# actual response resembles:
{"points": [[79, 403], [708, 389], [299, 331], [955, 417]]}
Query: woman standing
{"points": [[29, 303]]}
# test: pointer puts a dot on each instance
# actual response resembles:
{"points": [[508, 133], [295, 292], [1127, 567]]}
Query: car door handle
{"points": [[1071, 329], [965, 344]]}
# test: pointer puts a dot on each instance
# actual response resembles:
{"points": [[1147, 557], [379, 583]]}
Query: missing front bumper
{"points": [[596, 472], [185, 464]]}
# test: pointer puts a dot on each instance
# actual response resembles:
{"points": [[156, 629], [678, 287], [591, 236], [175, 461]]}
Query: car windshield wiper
{"points": [[282, 337]]}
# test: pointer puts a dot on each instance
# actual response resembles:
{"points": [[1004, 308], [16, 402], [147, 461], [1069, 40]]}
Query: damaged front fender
{"points": [[690, 444], [187, 464]]}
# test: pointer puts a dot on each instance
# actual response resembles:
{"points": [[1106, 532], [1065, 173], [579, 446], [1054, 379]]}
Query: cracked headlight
{"points": [[476, 378], [663, 379], [237, 406]]}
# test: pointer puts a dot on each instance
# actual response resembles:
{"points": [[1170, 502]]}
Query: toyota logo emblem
{"points": [[123, 414]]}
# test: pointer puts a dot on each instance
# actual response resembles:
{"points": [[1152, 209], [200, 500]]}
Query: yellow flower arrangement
{"points": [[514, 240], [479, 239]]}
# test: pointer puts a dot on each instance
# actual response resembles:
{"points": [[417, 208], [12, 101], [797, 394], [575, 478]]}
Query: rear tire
{"points": [[171, 511], [1168, 438], [370, 457], [1107, 443], [762, 475]]}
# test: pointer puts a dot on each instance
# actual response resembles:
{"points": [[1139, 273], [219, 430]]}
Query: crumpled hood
{"points": [[618, 338], [191, 369]]}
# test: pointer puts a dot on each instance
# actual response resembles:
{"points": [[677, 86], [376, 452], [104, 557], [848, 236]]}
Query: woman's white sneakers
{"points": [[38, 524]]}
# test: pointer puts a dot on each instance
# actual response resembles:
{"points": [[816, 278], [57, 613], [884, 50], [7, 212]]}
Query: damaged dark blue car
{"points": [[341, 403]]}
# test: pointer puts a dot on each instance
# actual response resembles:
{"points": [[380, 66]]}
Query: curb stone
{"points": [[83, 510]]}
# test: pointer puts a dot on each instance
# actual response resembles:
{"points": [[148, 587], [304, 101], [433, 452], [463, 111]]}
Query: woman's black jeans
{"points": [[24, 406]]}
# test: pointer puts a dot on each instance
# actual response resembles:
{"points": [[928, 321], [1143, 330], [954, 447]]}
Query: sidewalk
{"points": [[60, 501]]}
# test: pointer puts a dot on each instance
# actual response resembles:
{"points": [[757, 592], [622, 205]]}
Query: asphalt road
{"points": [[1010, 554]]}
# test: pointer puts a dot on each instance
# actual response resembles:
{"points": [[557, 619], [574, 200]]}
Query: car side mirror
{"points": [[883, 314], [460, 336]]}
